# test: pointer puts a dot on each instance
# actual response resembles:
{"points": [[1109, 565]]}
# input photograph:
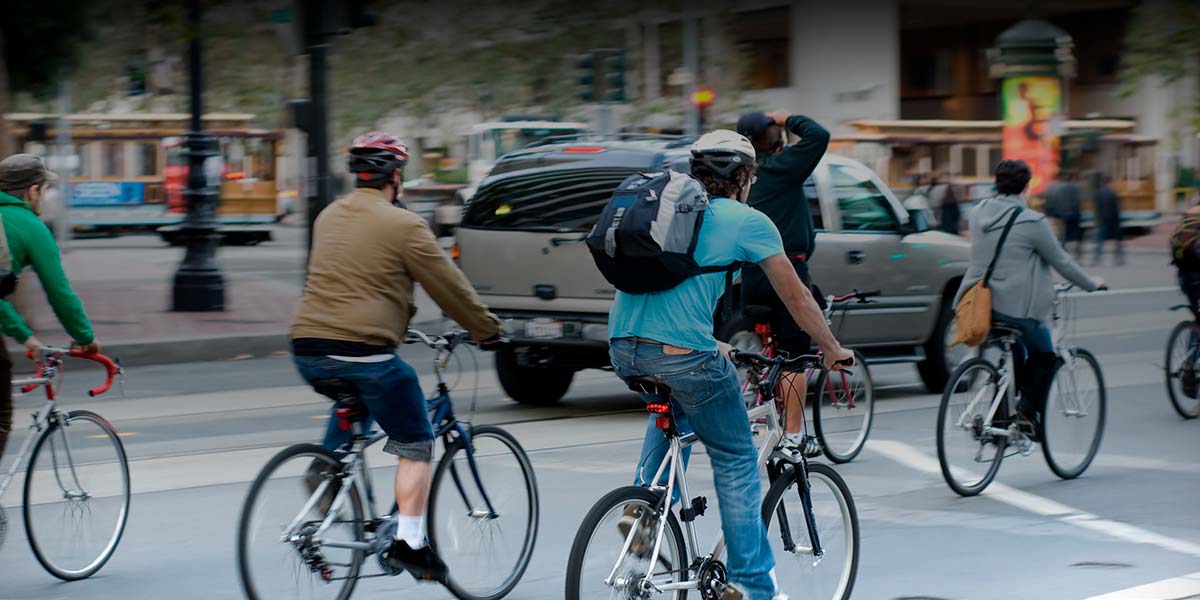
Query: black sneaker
{"points": [[1030, 425], [423, 563]]}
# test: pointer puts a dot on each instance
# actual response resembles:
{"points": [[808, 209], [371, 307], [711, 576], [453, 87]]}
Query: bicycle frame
{"points": [[446, 426], [672, 466], [1005, 393], [50, 368]]}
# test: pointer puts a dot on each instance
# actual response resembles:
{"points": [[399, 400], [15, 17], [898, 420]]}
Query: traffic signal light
{"points": [[703, 97], [614, 77], [585, 67]]}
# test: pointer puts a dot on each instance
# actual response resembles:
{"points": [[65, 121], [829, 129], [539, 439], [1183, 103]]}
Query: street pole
{"points": [[318, 135], [199, 285], [691, 61], [66, 166]]}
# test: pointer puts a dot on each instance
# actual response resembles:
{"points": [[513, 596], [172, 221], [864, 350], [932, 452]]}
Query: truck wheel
{"points": [[535, 386], [940, 360]]}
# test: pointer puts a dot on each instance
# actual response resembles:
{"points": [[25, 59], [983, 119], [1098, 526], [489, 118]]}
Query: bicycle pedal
{"points": [[385, 567]]}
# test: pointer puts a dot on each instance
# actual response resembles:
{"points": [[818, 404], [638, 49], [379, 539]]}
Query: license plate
{"points": [[543, 329]]}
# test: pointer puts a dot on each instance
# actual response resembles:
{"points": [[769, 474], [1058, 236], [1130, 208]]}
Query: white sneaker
{"points": [[806, 445]]}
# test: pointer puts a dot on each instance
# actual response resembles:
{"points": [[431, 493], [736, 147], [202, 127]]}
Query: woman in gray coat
{"points": [[1021, 284]]}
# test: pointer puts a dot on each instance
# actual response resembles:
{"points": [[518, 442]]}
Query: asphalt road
{"points": [[198, 433]]}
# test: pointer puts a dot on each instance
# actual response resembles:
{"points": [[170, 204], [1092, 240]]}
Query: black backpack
{"points": [[646, 237]]}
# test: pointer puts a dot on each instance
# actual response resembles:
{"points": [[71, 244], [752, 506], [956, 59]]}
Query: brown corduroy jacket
{"points": [[366, 254]]}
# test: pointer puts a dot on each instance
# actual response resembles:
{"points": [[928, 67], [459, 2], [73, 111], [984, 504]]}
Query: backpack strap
{"points": [[1016, 212]]}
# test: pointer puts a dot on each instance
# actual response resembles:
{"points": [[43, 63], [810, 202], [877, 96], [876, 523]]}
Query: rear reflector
{"points": [[583, 150]]}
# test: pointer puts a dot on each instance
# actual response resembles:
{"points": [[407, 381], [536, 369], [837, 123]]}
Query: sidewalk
{"points": [[126, 285]]}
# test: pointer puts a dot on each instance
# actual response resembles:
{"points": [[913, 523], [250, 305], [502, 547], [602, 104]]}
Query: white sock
{"points": [[795, 438], [411, 529]]}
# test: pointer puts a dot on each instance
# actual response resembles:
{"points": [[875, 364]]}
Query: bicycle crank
{"points": [[713, 580]]}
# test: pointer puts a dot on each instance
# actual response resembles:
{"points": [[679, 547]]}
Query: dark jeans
{"points": [[6, 369], [1035, 337], [392, 396], [790, 339]]}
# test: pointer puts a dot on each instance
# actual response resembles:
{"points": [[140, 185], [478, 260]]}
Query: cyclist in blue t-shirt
{"points": [[668, 336]]}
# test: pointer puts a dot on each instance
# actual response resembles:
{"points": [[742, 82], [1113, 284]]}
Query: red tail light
{"points": [[659, 408], [583, 149]]}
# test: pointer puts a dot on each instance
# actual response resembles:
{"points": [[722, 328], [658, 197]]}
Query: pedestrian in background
{"points": [[1064, 200], [1108, 220], [949, 215]]}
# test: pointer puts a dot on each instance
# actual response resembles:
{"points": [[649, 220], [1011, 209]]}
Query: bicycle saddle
{"points": [[645, 385], [760, 313], [1000, 331]]}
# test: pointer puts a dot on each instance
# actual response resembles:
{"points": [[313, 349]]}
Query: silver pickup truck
{"points": [[521, 247]]}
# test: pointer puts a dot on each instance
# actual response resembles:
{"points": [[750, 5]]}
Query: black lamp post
{"points": [[199, 285]]}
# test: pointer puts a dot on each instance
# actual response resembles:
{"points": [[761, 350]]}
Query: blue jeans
{"points": [[392, 396], [705, 391]]}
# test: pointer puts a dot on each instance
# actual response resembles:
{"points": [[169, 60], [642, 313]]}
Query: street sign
{"points": [[703, 97]]}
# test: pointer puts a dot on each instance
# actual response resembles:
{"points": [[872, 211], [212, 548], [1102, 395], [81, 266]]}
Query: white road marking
{"points": [[919, 461], [1127, 291], [1187, 586]]}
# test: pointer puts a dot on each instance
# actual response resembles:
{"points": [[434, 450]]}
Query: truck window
{"points": [[814, 203], [569, 200], [862, 205]]}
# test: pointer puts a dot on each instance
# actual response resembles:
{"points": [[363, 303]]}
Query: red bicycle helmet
{"points": [[376, 154]]}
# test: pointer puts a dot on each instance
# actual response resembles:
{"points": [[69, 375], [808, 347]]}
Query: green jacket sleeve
{"points": [[797, 161], [47, 263], [12, 324]]}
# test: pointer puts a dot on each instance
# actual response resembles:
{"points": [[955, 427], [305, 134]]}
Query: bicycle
{"points": [[978, 389], [820, 527], [77, 475], [1183, 365], [483, 488], [844, 407]]}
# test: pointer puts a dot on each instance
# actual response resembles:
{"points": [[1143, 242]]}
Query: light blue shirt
{"points": [[683, 315]]}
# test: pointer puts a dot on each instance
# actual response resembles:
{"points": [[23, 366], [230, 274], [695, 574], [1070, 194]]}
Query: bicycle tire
{"points": [[772, 506], [850, 453], [244, 522], [1082, 357], [615, 499], [943, 408], [1173, 363], [28, 501], [455, 586]]}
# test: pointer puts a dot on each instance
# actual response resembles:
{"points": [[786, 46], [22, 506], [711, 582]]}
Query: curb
{"points": [[162, 351]]}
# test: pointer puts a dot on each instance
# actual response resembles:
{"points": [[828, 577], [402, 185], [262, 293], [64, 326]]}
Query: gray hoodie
{"points": [[1021, 284]]}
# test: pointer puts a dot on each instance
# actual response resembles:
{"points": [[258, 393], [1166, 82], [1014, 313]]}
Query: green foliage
{"points": [[42, 41], [1163, 40]]}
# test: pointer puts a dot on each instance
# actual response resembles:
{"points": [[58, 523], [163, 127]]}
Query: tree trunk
{"points": [[6, 146]]}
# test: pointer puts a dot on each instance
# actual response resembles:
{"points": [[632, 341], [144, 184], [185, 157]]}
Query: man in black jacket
{"points": [[778, 192]]}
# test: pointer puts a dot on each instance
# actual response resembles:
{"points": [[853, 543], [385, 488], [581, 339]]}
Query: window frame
{"points": [[863, 173]]}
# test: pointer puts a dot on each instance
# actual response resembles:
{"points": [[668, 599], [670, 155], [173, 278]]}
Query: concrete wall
{"points": [[845, 63]]}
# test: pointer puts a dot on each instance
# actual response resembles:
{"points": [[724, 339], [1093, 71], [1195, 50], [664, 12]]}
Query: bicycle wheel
{"points": [[969, 456], [304, 564], [76, 495], [1073, 420], [844, 410], [487, 550], [801, 572], [596, 553], [1183, 349]]}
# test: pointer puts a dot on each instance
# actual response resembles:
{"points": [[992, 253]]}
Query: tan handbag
{"points": [[973, 314]]}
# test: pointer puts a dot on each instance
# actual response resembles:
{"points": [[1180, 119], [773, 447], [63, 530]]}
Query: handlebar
{"points": [[860, 296], [448, 341], [111, 368], [750, 358]]}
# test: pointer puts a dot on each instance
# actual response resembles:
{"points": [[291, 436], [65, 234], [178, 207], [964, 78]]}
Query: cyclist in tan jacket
{"points": [[355, 310]]}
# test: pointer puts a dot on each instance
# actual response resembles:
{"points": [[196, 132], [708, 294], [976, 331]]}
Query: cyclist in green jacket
{"points": [[24, 180]]}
